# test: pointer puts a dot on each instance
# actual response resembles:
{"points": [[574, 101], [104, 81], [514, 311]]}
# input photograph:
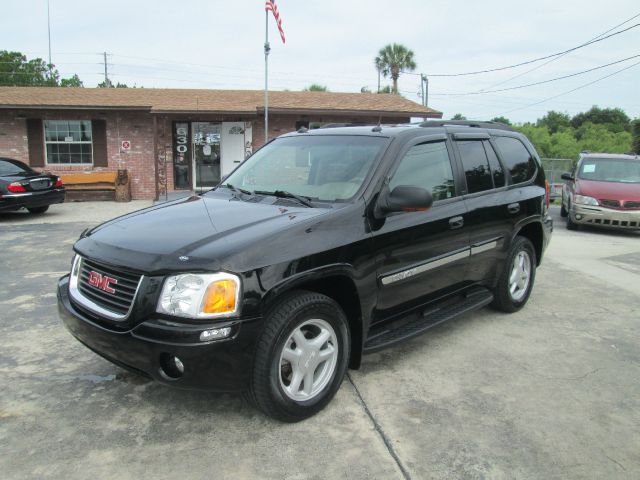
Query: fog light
{"points": [[578, 217], [215, 334], [179, 365], [171, 366]]}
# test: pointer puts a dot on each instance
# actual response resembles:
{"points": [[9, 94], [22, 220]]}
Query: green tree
{"points": [[386, 89], [458, 116], [71, 82], [109, 84], [315, 87], [635, 131], [598, 138], [17, 71], [614, 118], [539, 136], [392, 59], [563, 144], [554, 121], [504, 120]]}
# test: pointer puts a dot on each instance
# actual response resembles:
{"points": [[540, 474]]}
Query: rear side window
{"points": [[494, 163], [10, 168], [517, 159], [427, 166], [476, 166]]}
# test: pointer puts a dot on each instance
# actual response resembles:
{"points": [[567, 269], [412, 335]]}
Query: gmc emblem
{"points": [[102, 282]]}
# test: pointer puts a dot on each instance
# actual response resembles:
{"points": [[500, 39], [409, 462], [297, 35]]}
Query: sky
{"points": [[219, 44]]}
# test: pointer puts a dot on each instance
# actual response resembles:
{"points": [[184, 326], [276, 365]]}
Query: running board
{"points": [[416, 323]]}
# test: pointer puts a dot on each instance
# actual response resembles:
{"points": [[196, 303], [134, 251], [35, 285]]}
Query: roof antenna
{"points": [[378, 128]]}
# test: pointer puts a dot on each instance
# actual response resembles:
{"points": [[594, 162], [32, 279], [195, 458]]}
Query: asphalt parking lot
{"points": [[552, 391]]}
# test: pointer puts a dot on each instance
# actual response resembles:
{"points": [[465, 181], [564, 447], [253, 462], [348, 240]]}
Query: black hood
{"points": [[206, 231]]}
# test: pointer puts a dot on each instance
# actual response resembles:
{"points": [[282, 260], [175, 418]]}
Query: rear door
{"points": [[422, 255], [489, 213]]}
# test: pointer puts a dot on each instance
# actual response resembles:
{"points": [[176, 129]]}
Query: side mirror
{"points": [[406, 198], [567, 176]]}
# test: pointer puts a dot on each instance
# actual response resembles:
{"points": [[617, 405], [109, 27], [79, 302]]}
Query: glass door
{"points": [[206, 155]]}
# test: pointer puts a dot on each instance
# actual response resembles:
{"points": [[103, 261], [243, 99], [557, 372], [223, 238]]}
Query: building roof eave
{"points": [[359, 113]]}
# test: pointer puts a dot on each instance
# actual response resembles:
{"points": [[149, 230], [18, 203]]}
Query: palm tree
{"points": [[393, 59]]}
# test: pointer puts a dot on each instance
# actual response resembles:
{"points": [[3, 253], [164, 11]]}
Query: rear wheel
{"points": [[38, 210], [301, 357], [516, 281]]}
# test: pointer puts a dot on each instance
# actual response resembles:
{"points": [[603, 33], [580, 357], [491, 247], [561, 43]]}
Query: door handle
{"points": [[513, 207], [456, 222]]}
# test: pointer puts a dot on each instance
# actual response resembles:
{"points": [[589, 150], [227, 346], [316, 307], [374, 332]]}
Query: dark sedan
{"points": [[22, 187]]}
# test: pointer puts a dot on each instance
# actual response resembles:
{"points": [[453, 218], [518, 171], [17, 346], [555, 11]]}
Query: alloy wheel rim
{"points": [[308, 360], [520, 275]]}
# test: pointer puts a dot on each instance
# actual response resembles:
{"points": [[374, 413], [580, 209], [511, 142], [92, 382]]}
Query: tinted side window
{"points": [[476, 166], [494, 163], [517, 158], [428, 166]]}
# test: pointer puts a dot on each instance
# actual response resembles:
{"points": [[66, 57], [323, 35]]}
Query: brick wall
{"points": [[137, 127]]}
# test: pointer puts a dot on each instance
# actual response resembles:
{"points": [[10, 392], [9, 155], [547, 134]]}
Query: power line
{"points": [[480, 92], [570, 91], [530, 61], [558, 57]]}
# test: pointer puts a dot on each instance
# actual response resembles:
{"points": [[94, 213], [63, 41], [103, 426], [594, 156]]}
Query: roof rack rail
{"points": [[466, 123], [351, 124]]}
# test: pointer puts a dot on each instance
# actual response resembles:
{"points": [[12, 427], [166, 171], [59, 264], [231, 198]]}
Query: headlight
{"points": [[195, 295], [584, 200]]}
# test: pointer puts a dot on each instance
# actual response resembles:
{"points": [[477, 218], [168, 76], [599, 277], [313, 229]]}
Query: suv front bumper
{"points": [[605, 217], [222, 365]]}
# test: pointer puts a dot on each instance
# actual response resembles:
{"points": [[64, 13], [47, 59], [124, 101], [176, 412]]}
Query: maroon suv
{"points": [[604, 191]]}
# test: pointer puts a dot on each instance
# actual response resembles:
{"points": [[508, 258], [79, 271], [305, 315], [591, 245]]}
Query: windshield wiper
{"points": [[236, 190], [306, 201]]}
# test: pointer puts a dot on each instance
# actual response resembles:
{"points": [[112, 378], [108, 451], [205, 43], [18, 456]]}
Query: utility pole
{"points": [[267, 49], [106, 77], [49, 33]]}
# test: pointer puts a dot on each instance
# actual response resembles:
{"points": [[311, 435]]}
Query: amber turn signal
{"points": [[220, 297]]}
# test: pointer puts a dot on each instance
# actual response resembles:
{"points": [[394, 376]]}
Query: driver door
{"points": [[422, 255]]}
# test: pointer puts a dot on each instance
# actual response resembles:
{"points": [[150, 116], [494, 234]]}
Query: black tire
{"points": [[266, 389], [38, 210], [503, 299], [563, 211], [571, 225]]}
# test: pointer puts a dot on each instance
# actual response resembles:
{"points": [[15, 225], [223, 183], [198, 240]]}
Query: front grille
{"points": [[610, 203], [631, 205], [614, 223], [124, 285], [40, 183]]}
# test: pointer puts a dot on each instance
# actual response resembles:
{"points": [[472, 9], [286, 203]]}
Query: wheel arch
{"points": [[534, 233], [336, 282]]}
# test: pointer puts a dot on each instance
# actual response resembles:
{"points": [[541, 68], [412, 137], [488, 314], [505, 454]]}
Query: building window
{"points": [[68, 141]]}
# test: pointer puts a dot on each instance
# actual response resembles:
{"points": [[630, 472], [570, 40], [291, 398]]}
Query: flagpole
{"points": [[267, 48]]}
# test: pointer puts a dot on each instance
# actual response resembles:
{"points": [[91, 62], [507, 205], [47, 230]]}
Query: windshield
{"points": [[328, 168], [11, 168], [610, 170]]}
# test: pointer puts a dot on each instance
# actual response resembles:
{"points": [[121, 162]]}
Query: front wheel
{"points": [[516, 281], [301, 357]]}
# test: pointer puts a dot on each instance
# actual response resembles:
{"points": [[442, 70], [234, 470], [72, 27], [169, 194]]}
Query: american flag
{"points": [[271, 5]]}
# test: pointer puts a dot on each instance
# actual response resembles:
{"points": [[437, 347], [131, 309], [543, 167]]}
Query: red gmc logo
{"points": [[102, 282]]}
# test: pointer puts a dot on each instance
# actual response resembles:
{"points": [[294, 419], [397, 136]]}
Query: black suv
{"points": [[322, 246]]}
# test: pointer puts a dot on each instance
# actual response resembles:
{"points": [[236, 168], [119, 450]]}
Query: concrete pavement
{"points": [[552, 391]]}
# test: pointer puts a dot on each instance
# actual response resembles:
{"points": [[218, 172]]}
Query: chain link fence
{"points": [[553, 169]]}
